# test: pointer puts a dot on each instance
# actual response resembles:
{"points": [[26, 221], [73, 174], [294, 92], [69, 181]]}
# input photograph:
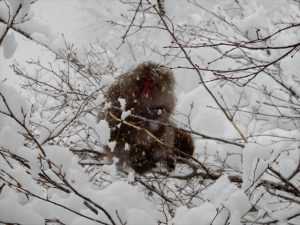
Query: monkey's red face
{"points": [[150, 104], [147, 86], [148, 92]]}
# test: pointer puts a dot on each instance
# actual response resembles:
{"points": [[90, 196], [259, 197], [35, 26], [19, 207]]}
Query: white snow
{"points": [[262, 115], [125, 114], [203, 214], [9, 45], [13, 212], [103, 131]]}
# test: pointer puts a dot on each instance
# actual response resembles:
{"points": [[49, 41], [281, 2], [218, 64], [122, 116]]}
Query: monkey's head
{"points": [[149, 90]]}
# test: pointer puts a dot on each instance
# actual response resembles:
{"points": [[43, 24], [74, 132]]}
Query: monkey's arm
{"points": [[184, 144]]}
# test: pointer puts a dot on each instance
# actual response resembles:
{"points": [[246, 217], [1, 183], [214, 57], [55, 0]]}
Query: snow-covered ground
{"points": [[236, 64]]}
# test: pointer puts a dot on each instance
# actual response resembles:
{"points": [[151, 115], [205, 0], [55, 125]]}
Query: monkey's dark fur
{"points": [[148, 136]]}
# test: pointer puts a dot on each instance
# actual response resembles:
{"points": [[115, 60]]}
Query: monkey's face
{"points": [[154, 96], [149, 91]]}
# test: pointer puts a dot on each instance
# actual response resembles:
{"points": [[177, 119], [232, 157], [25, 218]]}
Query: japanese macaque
{"points": [[139, 107]]}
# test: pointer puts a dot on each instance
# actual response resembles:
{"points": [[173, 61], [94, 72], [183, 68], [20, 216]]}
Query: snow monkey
{"points": [[138, 113]]}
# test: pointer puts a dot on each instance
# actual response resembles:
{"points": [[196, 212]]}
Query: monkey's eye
{"points": [[145, 82], [139, 84], [158, 86], [148, 82]]}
